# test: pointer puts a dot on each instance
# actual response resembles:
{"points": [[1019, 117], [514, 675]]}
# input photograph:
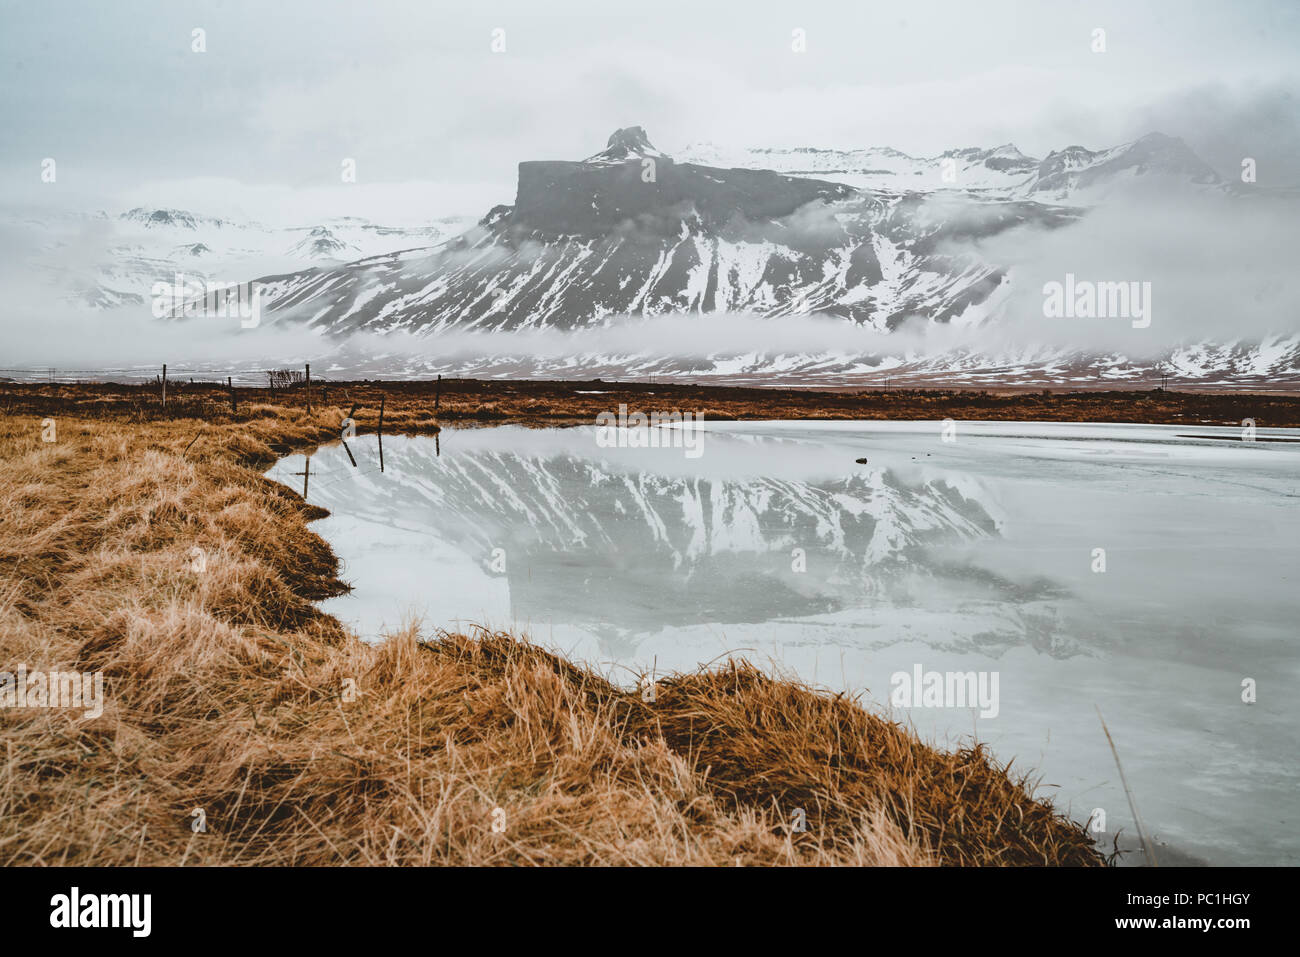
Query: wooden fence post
{"points": [[380, 433], [234, 409], [437, 396], [308, 387], [164, 385]]}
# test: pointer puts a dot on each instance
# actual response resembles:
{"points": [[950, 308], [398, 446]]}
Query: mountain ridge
{"points": [[635, 232]]}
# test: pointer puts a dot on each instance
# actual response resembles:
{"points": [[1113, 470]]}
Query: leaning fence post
{"points": [[381, 433]]}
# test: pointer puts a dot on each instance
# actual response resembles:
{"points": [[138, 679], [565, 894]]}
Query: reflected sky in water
{"points": [[973, 554]]}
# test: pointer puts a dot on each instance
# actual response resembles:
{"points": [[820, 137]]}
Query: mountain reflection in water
{"points": [[976, 556]]}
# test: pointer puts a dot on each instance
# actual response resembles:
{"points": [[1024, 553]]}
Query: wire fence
{"points": [[239, 378]]}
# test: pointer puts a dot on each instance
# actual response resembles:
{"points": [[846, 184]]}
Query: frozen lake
{"points": [[1150, 572]]}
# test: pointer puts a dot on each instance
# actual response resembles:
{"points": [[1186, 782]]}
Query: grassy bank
{"points": [[229, 692]]}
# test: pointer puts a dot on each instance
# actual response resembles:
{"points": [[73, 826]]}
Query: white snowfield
{"points": [[1144, 571]]}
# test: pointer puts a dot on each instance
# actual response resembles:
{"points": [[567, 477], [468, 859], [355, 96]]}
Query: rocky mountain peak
{"points": [[631, 142]]}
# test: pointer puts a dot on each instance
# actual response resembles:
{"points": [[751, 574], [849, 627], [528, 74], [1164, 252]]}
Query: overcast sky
{"points": [[259, 124]]}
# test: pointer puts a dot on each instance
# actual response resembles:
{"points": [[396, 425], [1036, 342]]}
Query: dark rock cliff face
{"points": [[656, 194]]}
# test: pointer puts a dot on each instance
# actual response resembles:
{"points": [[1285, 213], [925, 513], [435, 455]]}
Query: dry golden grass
{"points": [[225, 691]]}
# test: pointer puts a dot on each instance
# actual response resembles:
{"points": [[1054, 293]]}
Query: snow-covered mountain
{"points": [[1081, 175], [633, 232], [872, 237], [630, 231], [1071, 176], [321, 242], [171, 219], [1273, 362], [882, 168], [106, 261]]}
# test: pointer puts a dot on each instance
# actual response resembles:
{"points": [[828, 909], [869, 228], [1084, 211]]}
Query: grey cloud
{"points": [[1221, 266], [1224, 124]]}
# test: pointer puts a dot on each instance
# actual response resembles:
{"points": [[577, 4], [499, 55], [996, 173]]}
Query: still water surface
{"points": [[974, 555]]}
